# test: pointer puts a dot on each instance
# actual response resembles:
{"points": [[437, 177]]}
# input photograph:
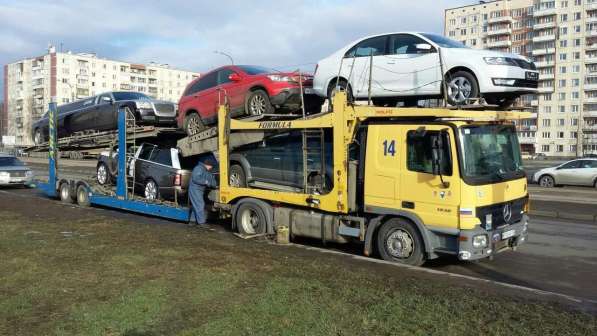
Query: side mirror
{"points": [[235, 77], [423, 47], [107, 100], [437, 154]]}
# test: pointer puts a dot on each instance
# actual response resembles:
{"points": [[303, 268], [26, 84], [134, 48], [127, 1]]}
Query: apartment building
{"points": [[561, 36], [30, 84]]}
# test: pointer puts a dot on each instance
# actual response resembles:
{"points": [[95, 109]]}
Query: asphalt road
{"points": [[560, 257]]}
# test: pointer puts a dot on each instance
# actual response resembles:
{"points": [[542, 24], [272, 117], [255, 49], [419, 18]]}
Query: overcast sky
{"points": [[276, 33]]}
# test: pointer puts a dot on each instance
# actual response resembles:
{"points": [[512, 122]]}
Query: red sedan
{"points": [[251, 90]]}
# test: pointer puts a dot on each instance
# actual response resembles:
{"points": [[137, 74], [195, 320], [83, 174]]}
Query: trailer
{"points": [[409, 184]]}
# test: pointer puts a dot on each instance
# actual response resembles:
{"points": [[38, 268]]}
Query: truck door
{"points": [[399, 173]]}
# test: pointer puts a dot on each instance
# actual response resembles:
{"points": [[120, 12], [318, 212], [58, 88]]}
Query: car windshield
{"points": [[444, 42], [9, 161], [128, 96], [490, 153], [256, 70]]}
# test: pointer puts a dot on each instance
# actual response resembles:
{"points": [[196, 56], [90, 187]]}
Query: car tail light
{"points": [[177, 180]]}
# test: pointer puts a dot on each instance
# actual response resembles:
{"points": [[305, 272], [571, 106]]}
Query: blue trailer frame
{"points": [[121, 199]]}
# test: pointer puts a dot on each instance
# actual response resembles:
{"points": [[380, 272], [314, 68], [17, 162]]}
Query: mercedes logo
{"points": [[507, 212]]}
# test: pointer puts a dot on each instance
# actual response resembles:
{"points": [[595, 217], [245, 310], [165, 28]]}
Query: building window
{"points": [[575, 82], [560, 135], [562, 57], [546, 122], [573, 122], [546, 135], [562, 108], [547, 109], [545, 148], [562, 96], [563, 17], [577, 42], [561, 122], [559, 148], [576, 68], [573, 148], [577, 16], [574, 108], [575, 95], [573, 135], [563, 43]]}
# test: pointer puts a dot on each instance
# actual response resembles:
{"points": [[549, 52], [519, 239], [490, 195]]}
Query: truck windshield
{"points": [[490, 153], [118, 96]]}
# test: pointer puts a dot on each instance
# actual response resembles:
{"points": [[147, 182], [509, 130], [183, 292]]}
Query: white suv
{"points": [[406, 67]]}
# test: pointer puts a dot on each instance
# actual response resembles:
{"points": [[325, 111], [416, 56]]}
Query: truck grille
{"points": [[497, 213], [165, 109]]}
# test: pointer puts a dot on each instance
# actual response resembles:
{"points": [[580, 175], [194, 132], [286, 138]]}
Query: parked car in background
{"points": [[580, 172], [157, 172], [277, 163], [406, 67], [251, 90], [99, 113], [13, 172]]}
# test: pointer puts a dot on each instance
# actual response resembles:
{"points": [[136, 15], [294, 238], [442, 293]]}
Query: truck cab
{"points": [[460, 184]]}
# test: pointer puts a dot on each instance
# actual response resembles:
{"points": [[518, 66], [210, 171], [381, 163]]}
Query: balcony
{"points": [[544, 12], [544, 64], [499, 44], [534, 103], [591, 6], [503, 31], [591, 46], [590, 87], [544, 38], [590, 59], [591, 33], [590, 100], [505, 18], [546, 76], [527, 141], [544, 51], [546, 89], [544, 25], [589, 128], [525, 128], [591, 19]]}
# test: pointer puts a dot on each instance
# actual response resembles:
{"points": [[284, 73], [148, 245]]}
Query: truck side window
{"points": [[419, 153]]}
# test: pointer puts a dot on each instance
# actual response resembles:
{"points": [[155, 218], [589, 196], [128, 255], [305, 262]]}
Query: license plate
{"points": [[508, 234], [532, 75]]}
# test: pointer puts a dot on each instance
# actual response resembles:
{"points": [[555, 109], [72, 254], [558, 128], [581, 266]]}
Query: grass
{"points": [[100, 276]]}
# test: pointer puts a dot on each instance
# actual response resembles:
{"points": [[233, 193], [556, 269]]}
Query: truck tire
{"points": [[83, 196], [399, 240], [237, 177], [258, 103], [103, 174], [65, 195], [251, 218]]}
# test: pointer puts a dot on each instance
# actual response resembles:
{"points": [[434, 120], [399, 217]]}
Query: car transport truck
{"points": [[407, 184]]}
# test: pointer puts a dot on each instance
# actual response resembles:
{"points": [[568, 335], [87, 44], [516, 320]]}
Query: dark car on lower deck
{"points": [[99, 113]]}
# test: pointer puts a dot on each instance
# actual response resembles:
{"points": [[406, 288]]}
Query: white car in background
{"points": [[406, 67], [581, 172]]}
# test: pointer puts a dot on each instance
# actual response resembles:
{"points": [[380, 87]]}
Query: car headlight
{"points": [[280, 78], [480, 241], [500, 61], [143, 104]]}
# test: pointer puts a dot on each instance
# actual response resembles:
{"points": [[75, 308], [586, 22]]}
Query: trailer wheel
{"points": [[251, 219], [65, 195], [83, 196], [237, 177], [398, 240]]}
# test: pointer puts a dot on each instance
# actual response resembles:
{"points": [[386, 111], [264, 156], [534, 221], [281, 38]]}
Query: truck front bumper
{"points": [[497, 240]]}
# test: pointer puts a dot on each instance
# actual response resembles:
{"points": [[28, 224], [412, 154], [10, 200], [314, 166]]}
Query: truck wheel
{"points": [[103, 174], [398, 240], [258, 103], [547, 181], [193, 124], [151, 191], [237, 177], [65, 195], [83, 196], [251, 219]]}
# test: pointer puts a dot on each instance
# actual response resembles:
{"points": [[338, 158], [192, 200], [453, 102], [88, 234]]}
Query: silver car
{"points": [[14, 172], [581, 172]]}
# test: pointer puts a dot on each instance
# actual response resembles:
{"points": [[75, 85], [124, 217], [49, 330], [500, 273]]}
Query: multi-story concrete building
{"points": [[30, 84], [561, 36]]}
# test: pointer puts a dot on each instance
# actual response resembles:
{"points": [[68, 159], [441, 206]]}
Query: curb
{"points": [[564, 215]]}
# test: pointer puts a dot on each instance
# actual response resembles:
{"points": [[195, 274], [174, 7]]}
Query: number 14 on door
{"points": [[389, 147]]}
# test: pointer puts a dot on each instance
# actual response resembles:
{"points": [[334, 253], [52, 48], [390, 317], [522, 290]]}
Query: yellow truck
{"points": [[409, 184]]}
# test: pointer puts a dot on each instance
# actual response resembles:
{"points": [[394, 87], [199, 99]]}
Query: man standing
{"points": [[201, 178]]}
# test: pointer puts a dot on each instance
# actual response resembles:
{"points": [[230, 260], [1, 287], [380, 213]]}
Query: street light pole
{"points": [[225, 54]]}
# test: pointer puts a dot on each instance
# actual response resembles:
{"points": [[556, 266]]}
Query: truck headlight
{"points": [[480, 241], [143, 104], [500, 61]]}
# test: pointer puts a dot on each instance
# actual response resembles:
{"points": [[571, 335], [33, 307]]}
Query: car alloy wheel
{"points": [[257, 105], [400, 244], [102, 174], [546, 182], [459, 89], [234, 180], [151, 190]]}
